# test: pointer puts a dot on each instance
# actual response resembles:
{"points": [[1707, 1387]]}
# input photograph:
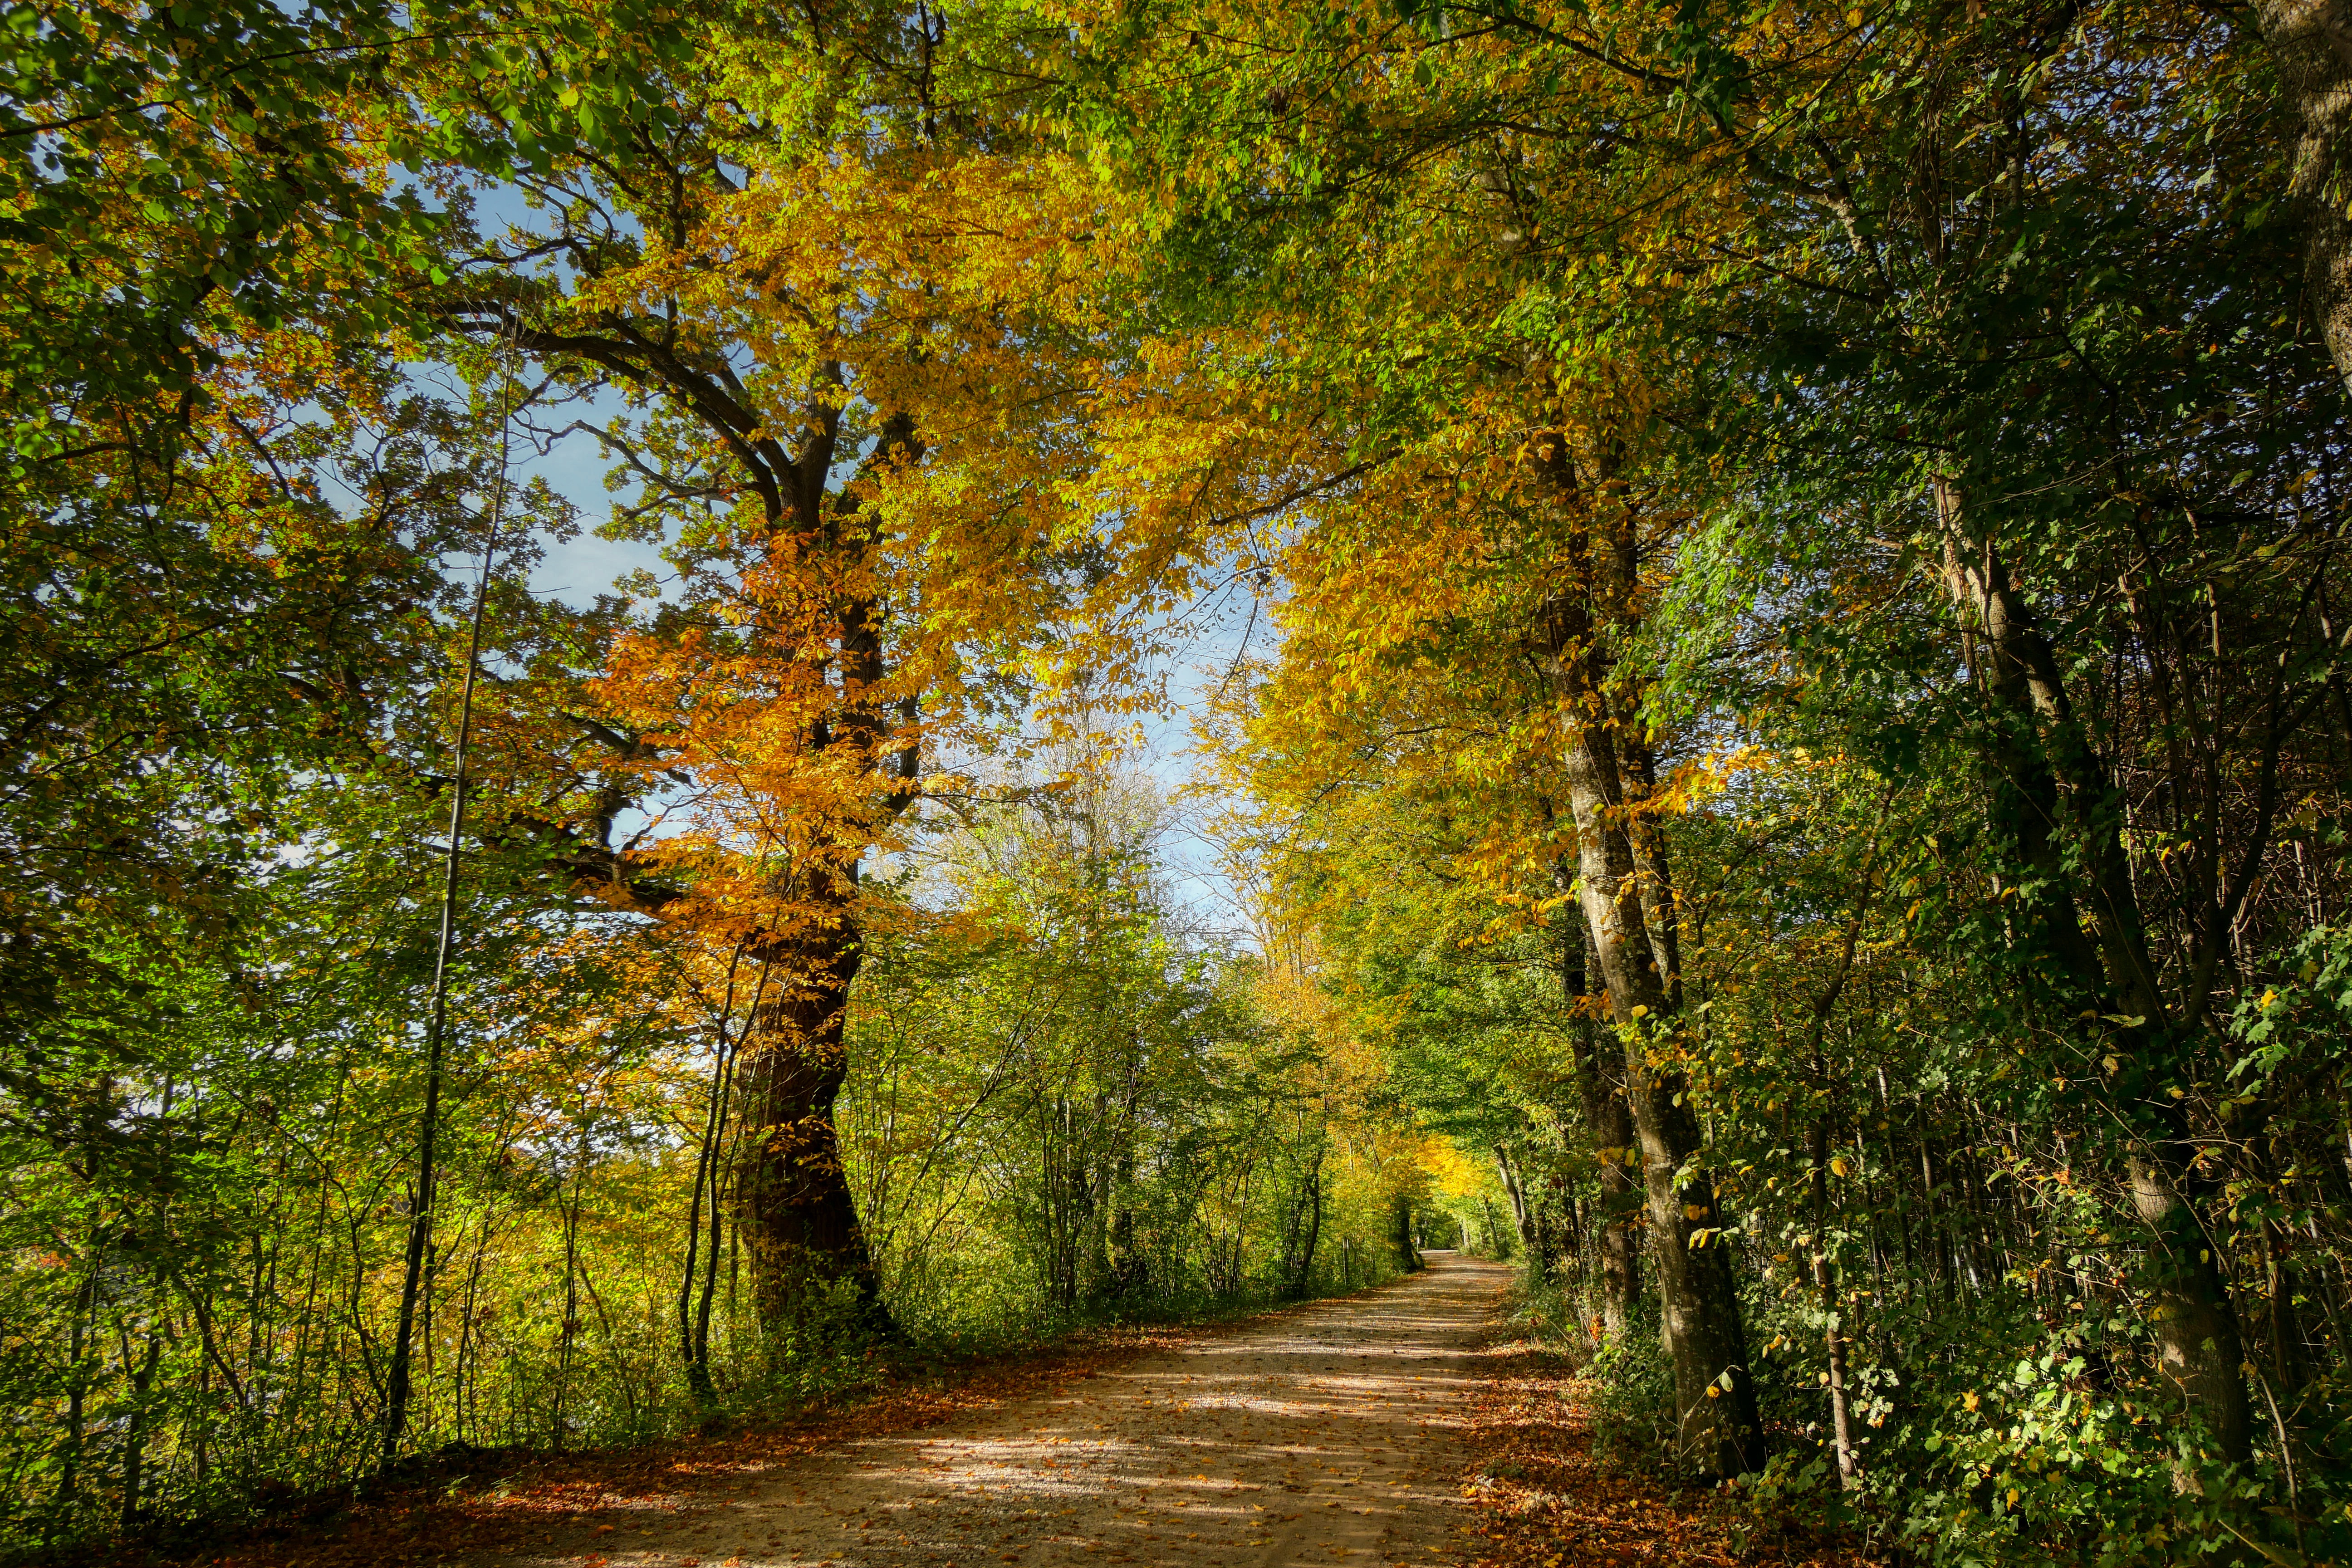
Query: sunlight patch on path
{"points": [[1327, 1435]]}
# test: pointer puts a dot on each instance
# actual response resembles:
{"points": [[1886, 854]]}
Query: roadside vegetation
{"points": [[1760, 596]]}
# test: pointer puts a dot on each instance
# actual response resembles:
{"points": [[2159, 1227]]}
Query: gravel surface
{"points": [[1328, 1434]]}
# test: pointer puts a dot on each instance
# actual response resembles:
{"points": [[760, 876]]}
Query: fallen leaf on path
{"points": [[1534, 1484]]}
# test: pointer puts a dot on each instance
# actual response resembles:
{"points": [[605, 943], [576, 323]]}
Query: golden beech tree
{"points": [[887, 414], [826, 408]]}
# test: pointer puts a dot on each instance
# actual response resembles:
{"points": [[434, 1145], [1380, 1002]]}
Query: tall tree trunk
{"points": [[1524, 1219], [1715, 1397], [794, 1209], [556, 1432], [2310, 44], [1621, 1218], [2199, 1350], [2042, 773], [795, 1215], [134, 1437], [416, 1277], [1609, 1124], [721, 1170], [1305, 1230]]}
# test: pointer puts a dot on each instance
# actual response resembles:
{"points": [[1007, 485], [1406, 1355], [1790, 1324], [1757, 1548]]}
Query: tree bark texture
{"points": [[1621, 1198], [2199, 1348], [794, 1210], [2310, 44], [1714, 1398], [1620, 892], [1608, 1123]]}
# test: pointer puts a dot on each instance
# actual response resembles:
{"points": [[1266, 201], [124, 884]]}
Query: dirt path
{"points": [[1326, 1434]]}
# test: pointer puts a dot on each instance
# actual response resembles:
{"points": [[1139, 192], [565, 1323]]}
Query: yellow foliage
{"points": [[1454, 1174]]}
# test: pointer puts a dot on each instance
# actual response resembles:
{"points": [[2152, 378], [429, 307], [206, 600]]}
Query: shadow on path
{"points": [[1327, 1433]]}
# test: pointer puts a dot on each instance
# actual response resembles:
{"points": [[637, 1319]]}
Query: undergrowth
{"points": [[2046, 1461]]}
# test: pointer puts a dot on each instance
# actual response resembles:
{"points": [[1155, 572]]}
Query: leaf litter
{"points": [[1390, 1428]]}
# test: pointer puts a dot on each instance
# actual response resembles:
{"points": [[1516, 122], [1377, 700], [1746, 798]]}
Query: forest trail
{"points": [[1327, 1433]]}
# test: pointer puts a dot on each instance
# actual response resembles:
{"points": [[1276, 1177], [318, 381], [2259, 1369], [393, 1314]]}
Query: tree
{"points": [[839, 294]]}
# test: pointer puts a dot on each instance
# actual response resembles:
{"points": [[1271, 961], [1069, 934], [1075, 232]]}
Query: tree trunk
{"points": [[2040, 773], [2199, 1350], [798, 1221], [1715, 1397], [1608, 1123], [1621, 1245], [416, 1277], [134, 1438], [1833, 1337], [692, 1346], [1523, 1216], [2310, 44], [571, 1330], [1308, 1215], [1401, 1233]]}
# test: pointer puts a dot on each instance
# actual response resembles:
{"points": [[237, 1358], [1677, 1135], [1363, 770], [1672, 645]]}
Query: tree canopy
{"points": [[1778, 745]]}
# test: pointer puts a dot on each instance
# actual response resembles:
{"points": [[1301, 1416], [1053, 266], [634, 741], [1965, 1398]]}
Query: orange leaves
{"points": [[884, 496]]}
